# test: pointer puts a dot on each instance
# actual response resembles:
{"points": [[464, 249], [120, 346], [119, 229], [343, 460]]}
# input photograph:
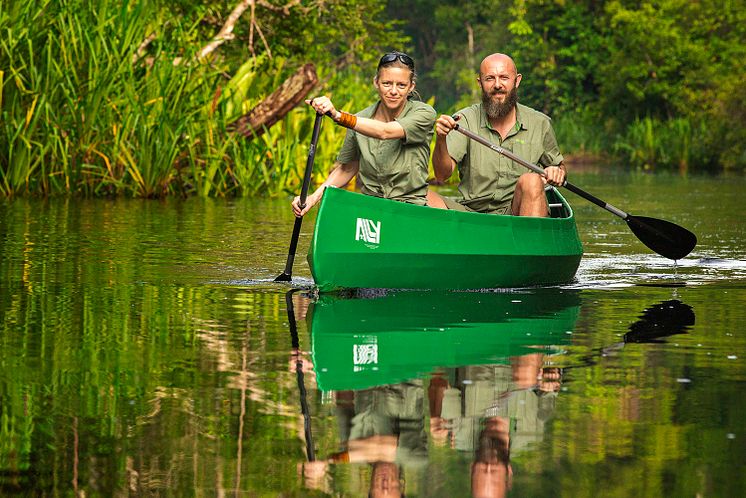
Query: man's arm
{"points": [[443, 163]]}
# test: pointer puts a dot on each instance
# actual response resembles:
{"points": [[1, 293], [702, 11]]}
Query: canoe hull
{"points": [[364, 241]]}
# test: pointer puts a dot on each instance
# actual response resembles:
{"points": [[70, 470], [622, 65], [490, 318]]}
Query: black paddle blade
{"points": [[667, 239], [283, 277]]}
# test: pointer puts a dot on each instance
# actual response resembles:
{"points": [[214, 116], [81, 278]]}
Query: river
{"points": [[145, 350]]}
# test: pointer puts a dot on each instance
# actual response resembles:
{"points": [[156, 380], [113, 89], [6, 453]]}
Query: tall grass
{"points": [[646, 144], [579, 133], [78, 116], [675, 144]]}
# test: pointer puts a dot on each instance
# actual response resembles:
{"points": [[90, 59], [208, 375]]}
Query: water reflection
{"points": [[661, 320], [298, 360], [359, 343], [406, 372]]}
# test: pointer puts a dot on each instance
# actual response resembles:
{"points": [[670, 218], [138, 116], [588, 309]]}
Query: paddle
{"points": [[286, 275], [666, 238], [295, 343]]}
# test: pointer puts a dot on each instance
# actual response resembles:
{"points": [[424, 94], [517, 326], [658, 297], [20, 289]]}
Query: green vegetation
{"points": [[111, 98], [117, 98], [658, 84]]}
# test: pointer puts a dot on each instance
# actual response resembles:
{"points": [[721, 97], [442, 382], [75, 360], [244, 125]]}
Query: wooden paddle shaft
{"points": [[309, 160]]}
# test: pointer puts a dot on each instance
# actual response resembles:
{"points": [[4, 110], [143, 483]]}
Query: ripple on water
{"points": [[614, 271]]}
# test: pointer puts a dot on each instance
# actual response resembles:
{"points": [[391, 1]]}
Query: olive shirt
{"points": [[488, 179], [395, 168]]}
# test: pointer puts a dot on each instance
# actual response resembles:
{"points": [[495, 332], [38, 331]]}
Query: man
{"points": [[491, 183]]}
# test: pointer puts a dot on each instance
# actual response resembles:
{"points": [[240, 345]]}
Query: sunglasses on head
{"points": [[394, 56]]}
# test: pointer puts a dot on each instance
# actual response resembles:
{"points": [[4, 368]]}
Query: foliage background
{"points": [[652, 85]]}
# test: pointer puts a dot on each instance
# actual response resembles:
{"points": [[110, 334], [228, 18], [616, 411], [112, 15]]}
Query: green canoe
{"points": [[362, 241], [361, 343]]}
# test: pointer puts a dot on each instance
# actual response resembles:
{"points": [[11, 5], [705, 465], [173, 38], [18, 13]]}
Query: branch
{"points": [[273, 108], [141, 48], [285, 9], [226, 32]]}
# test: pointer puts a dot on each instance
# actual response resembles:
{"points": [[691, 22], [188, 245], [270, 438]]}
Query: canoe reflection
{"points": [[471, 372], [397, 336]]}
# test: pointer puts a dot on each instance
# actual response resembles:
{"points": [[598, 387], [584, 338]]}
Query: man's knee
{"points": [[436, 200], [530, 184]]}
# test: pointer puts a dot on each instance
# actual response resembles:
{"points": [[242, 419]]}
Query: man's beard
{"points": [[496, 110]]}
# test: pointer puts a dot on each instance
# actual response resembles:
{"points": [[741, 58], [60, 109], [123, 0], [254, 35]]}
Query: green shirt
{"points": [[395, 168], [488, 179]]}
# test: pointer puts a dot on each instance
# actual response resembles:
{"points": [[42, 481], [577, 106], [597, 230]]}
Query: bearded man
{"points": [[491, 183]]}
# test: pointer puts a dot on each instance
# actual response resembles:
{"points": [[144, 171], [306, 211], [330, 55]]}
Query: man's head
{"points": [[499, 80], [386, 481], [491, 472]]}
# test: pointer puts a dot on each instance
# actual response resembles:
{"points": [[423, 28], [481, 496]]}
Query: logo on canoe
{"points": [[368, 231], [364, 357]]}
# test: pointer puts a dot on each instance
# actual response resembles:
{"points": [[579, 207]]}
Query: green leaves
{"points": [[108, 99]]}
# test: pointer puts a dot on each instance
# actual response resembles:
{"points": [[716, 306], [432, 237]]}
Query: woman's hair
{"points": [[399, 59]]}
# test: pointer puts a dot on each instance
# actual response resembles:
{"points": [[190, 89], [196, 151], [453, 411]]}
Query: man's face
{"points": [[499, 83], [490, 480], [385, 481]]}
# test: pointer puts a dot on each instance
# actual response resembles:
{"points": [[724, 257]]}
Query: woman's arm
{"points": [[339, 177], [366, 126]]}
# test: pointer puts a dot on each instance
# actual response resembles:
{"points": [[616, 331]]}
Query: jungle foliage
{"points": [[117, 98], [611, 73]]}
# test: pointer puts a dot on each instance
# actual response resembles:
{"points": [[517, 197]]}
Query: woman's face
{"points": [[393, 85]]}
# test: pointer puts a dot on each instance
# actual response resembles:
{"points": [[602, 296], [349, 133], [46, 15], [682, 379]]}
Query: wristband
{"points": [[347, 120]]}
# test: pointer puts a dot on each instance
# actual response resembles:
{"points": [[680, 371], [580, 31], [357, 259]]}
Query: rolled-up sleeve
{"points": [[418, 124], [551, 155]]}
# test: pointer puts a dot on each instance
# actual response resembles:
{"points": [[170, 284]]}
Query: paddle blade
{"points": [[667, 239], [283, 277]]}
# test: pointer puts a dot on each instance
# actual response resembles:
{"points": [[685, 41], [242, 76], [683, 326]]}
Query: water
{"points": [[145, 350]]}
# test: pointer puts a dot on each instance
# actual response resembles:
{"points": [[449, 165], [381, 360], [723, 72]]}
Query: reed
{"points": [[674, 144], [78, 116], [579, 133]]}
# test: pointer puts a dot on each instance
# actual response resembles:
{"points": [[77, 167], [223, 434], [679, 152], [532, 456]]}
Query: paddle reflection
{"points": [[407, 371], [661, 320]]}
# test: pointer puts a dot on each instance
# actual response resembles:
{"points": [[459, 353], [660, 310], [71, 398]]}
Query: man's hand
{"points": [[555, 175], [444, 124]]}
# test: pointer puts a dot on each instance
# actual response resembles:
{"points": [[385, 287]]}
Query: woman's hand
{"points": [[323, 105], [311, 201]]}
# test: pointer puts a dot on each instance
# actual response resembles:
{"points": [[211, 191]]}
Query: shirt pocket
{"points": [[527, 151]]}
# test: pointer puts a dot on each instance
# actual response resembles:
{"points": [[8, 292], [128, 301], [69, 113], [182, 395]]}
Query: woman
{"points": [[387, 144]]}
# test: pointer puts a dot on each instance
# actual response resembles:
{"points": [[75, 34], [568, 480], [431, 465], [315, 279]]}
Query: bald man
{"points": [[492, 183]]}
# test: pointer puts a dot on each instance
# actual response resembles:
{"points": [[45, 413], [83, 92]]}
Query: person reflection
{"points": [[492, 410], [386, 481], [384, 427], [491, 472]]}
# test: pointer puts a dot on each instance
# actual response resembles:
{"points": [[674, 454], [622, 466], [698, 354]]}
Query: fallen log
{"points": [[273, 108]]}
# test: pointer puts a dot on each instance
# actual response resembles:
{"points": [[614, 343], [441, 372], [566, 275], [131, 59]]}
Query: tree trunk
{"points": [[273, 108]]}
